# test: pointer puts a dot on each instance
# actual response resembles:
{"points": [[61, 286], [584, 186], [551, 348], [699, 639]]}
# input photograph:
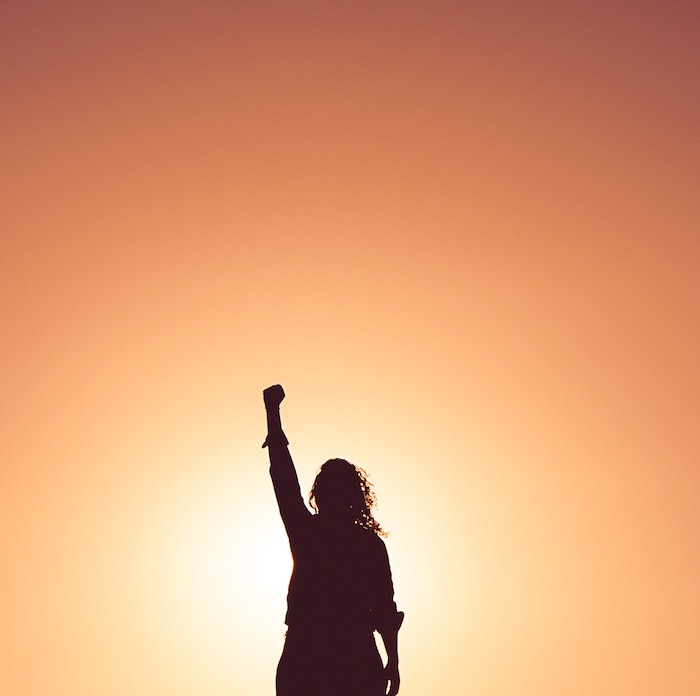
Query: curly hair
{"points": [[343, 485]]}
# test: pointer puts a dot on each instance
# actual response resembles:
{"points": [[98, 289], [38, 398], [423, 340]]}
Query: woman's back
{"points": [[341, 575]]}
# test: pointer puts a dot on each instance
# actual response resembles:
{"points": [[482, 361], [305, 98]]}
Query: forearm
{"points": [[390, 638], [389, 633], [274, 422], [276, 443]]}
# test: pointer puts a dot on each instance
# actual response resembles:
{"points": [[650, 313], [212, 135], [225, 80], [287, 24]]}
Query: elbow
{"points": [[390, 622]]}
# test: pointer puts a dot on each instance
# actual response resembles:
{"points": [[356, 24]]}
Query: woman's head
{"points": [[342, 491]]}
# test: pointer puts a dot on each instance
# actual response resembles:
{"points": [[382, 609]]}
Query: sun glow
{"points": [[228, 568], [218, 565]]}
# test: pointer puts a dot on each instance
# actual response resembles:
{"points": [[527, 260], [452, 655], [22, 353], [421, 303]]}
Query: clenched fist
{"points": [[272, 396]]}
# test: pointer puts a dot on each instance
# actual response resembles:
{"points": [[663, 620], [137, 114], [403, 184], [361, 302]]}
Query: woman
{"points": [[341, 589]]}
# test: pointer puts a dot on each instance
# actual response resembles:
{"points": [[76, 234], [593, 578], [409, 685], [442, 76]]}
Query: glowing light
{"points": [[233, 570]]}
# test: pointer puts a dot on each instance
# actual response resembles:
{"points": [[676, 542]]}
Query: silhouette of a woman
{"points": [[341, 589]]}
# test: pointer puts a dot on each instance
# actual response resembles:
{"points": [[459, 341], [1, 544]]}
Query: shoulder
{"points": [[371, 540]]}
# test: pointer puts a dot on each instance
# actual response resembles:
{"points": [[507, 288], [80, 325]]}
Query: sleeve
{"points": [[385, 617], [285, 482]]}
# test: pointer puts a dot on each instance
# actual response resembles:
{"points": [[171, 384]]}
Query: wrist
{"points": [[276, 438]]}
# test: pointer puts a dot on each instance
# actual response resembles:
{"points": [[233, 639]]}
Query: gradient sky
{"points": [[464, 237]]}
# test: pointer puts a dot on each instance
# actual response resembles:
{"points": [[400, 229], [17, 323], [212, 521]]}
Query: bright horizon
{"points": [[465, 240]]}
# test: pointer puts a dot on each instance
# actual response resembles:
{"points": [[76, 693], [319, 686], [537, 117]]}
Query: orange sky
{"points": [[465, 240]]}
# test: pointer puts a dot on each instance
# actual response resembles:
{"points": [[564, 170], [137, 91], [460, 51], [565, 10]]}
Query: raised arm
{"points": [[282, 471]]}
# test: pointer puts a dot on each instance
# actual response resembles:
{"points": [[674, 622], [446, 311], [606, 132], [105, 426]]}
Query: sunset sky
{"points": [[465, 237]]}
